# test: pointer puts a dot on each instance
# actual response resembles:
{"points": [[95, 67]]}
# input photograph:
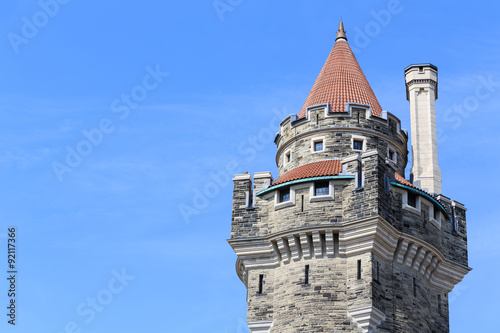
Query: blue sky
{"points": [[171, 95]]}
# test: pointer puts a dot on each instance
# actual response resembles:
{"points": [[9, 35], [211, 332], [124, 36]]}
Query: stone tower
{"points": [[421, 91], [340, 241]]}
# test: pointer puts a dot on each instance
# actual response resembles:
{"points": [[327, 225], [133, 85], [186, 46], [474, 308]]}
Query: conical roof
{"points": [[341, 81]]}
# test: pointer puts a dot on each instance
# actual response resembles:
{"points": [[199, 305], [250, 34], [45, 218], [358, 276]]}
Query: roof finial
{"points": [[341, 32]]}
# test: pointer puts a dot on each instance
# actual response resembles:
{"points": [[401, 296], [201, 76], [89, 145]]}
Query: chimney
{"points": [[421, 91]]}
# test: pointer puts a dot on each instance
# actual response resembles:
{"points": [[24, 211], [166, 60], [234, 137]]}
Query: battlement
{"points": [[359, 230], [258, 207], [341, 240], [338, 132]]}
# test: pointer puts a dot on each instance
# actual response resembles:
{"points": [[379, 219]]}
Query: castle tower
{"points": [[421, 91], [340, 241]]}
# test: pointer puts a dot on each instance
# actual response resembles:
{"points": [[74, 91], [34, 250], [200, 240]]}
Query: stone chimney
{"points": [[421, 91]]}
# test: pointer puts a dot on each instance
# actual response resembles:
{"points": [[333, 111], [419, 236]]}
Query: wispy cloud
{"points": [[23, 159]]}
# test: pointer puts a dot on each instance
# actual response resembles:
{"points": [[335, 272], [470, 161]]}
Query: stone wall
{"points": [[409, 303], [338, 131], [401, 287]]}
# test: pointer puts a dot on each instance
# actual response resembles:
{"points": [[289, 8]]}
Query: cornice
{"points": [[367, 235]]}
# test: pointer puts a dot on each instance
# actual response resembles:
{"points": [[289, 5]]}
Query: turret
{"points": [[421, 92], [341, 240]]}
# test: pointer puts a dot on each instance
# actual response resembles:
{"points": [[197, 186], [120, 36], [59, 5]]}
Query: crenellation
{"points": [[341, 241], [338, 133]]}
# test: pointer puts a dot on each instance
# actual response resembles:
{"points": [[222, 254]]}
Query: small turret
{"points": [[421, 92]]}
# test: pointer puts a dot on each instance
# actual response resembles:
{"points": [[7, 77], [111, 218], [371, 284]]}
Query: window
{"points": [[288, 157], [436, 214], [261, 284], [285, 195], [412, 200], [357, 145], [249, 198], [317, 144], [421, 70], [321, 191], [392, 155], [359, 270], [321, 188], [359, 175], [306, 278]]}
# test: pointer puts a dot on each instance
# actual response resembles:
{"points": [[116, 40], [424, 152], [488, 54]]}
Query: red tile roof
{"points": [[314, 169], [341, 81], [400, 179]]}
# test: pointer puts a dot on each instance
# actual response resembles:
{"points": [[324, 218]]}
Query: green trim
{"points": [[304, 180], [422, 193]]}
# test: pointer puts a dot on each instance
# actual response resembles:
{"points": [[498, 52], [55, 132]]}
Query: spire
{"points": [[341, 81], [341, 32]]}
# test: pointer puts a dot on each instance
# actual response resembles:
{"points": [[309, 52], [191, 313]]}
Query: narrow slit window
{"points": [[378, 271], [439, 304], [249, 198], [336, 244], [414, 287], [306, 277], [359, 269], [302, 204], [392, 155], [261, 284], [359, 177]]}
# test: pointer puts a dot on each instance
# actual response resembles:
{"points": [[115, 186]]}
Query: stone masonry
{"points": [[358, 249]]}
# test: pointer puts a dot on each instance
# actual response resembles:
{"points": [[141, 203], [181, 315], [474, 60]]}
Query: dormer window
{"points": [[284, 195], [321, 188], [412, 200], [435, 216], [321, 191]]}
